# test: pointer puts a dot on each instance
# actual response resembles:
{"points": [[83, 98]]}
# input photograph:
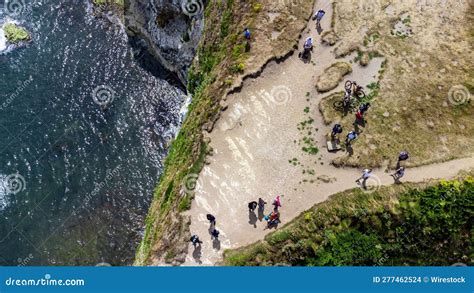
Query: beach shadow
{"points": [[197, 253], [216, 244], [260, 215], [319, 29], [396, 179], [349, 150], [253, 219]]}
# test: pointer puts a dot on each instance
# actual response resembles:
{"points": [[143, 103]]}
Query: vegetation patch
{"points": [[15, 33]]}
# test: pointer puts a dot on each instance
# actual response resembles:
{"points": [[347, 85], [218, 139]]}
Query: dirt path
{"points": [[254, 141]]}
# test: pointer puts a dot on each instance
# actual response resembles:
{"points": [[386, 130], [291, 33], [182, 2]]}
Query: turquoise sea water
{"points": [[83, 131]]}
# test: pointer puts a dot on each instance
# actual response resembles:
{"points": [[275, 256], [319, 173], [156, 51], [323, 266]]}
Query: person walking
{"points": [[247, 34], [211, 219], [366, 173], [195, 240], [215, 233], [359, 117], [351, 136], [403, 156], [252, 206], [318, 16]]}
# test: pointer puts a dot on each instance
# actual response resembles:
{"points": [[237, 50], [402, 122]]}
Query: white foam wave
{"points": [[3, 192], [3, 40]]}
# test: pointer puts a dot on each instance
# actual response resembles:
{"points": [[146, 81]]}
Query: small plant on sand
{"points": [[257, 7]]}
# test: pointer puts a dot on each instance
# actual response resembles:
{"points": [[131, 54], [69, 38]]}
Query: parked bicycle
{"points": [[347, 103], [355, 89]]}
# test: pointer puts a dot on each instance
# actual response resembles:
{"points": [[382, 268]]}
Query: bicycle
{"points": [[356, 90], [346, 104]]}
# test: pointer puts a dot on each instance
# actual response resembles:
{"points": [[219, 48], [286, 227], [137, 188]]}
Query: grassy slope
{"points": [[416, 224], [221, 59]]}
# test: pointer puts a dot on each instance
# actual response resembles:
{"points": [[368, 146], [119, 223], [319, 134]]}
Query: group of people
{"points": [[212, 230], [359, 120], [308, 44], [273, 218]]}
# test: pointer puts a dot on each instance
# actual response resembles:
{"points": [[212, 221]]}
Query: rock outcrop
{"points": [[171, 30], [332, 76]]}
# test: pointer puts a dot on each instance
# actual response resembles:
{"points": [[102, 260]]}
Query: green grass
{"points": [[422, 224]]}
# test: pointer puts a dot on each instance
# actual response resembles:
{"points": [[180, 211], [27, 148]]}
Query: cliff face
{"points": [[171, 29]]}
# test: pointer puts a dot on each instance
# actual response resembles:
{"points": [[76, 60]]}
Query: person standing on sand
{"points": [[277, 203], [365, 175], [195, 240], [215, 233], [211, 219], [252, 206]]}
